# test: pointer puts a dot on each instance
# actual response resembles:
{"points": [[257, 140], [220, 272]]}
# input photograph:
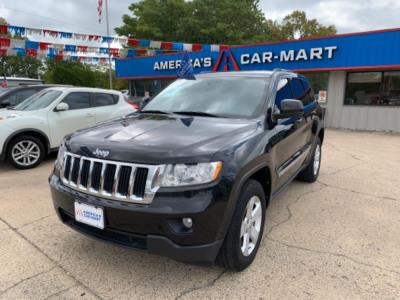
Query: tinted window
{"points": [[103, 99], [298, 90], [23, 94], [283, 92], [228, 96], [11, 98], [77, 100]]}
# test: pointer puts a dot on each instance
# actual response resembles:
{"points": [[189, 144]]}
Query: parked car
{"points": [[36, 126], [13, 96], [191, 175]]}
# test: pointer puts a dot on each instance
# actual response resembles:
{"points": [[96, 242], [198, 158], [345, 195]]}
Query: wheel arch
{"points": [[259, 171], [28, 131]]}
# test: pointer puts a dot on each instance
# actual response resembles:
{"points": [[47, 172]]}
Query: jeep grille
{"points": [[111, 179]]}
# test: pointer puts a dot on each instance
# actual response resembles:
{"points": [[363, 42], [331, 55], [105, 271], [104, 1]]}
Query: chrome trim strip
{"points": [[151, 186], [298, 156]]}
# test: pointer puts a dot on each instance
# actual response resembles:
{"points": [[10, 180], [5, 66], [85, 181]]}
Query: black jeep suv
{"points": [[191, 174]]}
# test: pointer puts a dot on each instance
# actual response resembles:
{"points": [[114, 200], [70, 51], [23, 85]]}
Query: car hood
{"points": [[151, 138]]}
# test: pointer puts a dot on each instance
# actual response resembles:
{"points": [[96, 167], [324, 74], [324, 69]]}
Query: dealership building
{"points": [[355, 76]]}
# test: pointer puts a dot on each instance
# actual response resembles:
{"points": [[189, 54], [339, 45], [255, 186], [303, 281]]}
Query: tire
{"points": [[311, 172], [31, 159], [231, 255]]}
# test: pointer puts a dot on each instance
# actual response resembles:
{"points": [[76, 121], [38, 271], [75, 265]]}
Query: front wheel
{"points": [[25, 152], [244, 235]]}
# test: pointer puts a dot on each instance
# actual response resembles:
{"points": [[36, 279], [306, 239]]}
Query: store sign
{"points": [[346, 51]]}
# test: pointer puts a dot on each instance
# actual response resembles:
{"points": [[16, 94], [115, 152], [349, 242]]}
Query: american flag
{"points": [[100, 9], [4, 83]]}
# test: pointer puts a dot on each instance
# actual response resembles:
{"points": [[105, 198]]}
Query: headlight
{"points": [[60, 157], [182, 174]]}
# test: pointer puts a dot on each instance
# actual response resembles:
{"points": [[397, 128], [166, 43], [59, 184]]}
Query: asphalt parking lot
{"points": [[337, 238]]}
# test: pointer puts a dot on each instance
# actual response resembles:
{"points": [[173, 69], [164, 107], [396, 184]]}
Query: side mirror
{"points": [[62, 107], [290, 108]]}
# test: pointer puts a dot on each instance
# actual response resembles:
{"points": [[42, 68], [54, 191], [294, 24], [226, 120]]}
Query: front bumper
{"points": [[155, 228]]}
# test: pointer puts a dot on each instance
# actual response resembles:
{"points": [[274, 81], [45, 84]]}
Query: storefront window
{"points": [[373, 88], [153, 87]]}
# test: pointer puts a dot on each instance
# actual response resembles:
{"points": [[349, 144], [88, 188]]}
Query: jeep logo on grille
{"points": [[101, 153]]}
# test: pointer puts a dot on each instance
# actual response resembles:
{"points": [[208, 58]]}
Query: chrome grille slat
{"points": [[78, 182], [116, 180], [89, 184], [125, 195], [71, 168]]}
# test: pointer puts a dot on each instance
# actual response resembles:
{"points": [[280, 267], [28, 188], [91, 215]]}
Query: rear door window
{"points": [[104, 99]]}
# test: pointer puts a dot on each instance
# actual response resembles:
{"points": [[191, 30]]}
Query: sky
{"points": [[80, 16]]}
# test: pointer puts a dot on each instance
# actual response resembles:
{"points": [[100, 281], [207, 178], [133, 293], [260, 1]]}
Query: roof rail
{"points": [[280, 70]]}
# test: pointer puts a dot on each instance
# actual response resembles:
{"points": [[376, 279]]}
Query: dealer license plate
{"points": [[90, 215]]}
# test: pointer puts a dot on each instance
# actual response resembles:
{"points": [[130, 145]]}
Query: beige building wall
{"points": [[371, 118]]}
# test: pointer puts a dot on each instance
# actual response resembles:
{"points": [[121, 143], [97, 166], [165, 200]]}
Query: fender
{"points": [[243, 175], [3, 155]]}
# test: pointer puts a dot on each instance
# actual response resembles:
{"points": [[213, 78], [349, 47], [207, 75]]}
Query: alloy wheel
{"points": [[25, 153], [251, 226]]}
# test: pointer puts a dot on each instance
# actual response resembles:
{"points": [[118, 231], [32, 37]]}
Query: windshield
{"points": [[226, 97], [39, 100]]}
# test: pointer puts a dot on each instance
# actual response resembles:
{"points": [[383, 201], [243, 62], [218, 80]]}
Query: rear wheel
{"points": [[311, 172], [244, 235], [25, 152]]}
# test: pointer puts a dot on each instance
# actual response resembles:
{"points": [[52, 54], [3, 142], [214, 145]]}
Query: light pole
{"points": [[108, 43]]}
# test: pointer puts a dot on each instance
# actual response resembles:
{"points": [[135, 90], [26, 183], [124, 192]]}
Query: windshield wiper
{"points": [[197, 113], [153, 112]]}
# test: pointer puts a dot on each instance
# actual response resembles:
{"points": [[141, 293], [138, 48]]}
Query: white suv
{"points": [[35, 127]]}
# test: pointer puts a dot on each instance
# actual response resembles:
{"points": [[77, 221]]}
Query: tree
{"points": [[69, 72], [79, 74], [296, 25], [223, 21], [154, 19], [214, 22], [3, 21], [20, 66], [202, 21]]}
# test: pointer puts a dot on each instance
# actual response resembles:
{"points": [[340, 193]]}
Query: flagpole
{"points": [[108, 43]]}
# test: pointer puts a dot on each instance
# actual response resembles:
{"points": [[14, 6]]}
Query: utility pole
{"points": [[108, 43]]}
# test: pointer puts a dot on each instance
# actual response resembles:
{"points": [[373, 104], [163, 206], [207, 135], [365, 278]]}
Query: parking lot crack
{"points": [[354, 260], [290, 214], [357, 192], [60, 292], [15, 230], [33, 222], [204, 286], [26, 279]]}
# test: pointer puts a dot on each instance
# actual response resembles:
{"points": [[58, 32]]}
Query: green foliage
{"points": [[210, 21], [20, 66], [79, 74], [296, 25], [202, 21], [3, 21]]}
